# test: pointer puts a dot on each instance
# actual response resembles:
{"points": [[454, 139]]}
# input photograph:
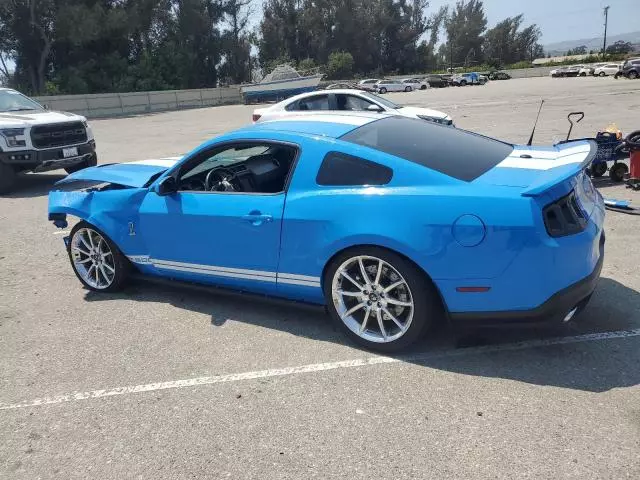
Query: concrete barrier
{"points": [[132, 103]]}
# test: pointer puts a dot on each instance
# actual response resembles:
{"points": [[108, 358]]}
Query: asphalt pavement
{"points": [[159, 382]]}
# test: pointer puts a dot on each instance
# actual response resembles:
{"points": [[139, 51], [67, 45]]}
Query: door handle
{"points": [[257, 218]]}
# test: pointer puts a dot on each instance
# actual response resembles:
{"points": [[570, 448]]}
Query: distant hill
{"points": [[560, 48]]}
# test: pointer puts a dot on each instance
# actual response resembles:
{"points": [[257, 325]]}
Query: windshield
{"points": [[380, 100], [12, 101]]}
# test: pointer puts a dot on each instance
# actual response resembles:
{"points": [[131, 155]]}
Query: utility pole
{"points": [[606, 19]]}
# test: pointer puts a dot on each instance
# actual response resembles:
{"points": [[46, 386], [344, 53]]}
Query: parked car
{"points": [[631, 68], [384, 86], [415, 84], [572, 71], [469, 79], [586, 70], [607, 69], [368, 84], [437, 81], [499, 76], [557, 72], [391, 223], [345, 101], [34, 139]]}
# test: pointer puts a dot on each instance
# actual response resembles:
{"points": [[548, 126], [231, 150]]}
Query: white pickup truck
{"points": [[34, 139]]}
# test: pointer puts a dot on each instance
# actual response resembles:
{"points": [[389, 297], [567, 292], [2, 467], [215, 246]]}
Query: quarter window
{"points": [[317, 102], [340, 169]]}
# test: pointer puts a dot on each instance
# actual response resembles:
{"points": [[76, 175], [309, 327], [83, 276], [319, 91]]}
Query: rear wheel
{"points": [[7, 177], [633, 74], [407, 89], [617, 172], [602, 74], [96, 260], [599, 169], [91, 162], [382, 90], [379, 299], [463, 83]]}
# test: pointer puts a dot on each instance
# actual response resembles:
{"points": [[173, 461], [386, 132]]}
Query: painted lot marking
{"points": [[315, 367]]}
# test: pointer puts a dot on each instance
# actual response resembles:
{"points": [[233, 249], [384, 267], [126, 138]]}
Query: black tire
{"points": [[602, 74], [382, 90], [423, 87], [598, 169], [407, 88], [427, 311], [121, 264], [91, 162], [632, 74], [7, 178], [618, 171], [463, 83]]}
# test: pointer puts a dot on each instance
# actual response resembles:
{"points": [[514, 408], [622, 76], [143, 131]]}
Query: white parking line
{"points": [[316, 367]]}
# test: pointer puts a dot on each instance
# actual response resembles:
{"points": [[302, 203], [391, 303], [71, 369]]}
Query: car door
{"points": [[225, 238]]}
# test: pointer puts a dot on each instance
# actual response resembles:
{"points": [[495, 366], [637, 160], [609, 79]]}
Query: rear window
{"points": [[454, 152]]}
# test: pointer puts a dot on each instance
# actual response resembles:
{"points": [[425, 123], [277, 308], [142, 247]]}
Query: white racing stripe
{"points": [[315, 367]]}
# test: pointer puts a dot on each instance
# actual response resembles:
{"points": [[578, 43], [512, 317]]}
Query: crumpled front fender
{"points": [[111, 211]]}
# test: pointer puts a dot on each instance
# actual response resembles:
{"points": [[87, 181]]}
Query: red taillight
{"points": [[256, 117]]}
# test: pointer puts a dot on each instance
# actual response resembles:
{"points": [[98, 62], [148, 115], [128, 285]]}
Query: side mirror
{"points": [[167, 186], [374, 108]]}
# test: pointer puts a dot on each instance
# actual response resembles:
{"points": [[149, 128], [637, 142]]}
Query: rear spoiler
{"points": [[557, 175]]}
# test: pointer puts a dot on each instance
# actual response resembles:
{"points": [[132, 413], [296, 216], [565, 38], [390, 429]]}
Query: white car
{"points": [[368, 84], [34, 139], [608, 69], [345, 101], [384, 86], [415, 84]]}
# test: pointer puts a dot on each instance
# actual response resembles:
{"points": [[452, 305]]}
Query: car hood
{"points": [[36, 117], [427, 112], [130, 174], [534, 170]]}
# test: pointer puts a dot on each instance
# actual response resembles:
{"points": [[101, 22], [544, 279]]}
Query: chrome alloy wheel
{"points": [[92, 258], [372, 298]]}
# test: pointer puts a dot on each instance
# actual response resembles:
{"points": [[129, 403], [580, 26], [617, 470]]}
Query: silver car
{"points": [[384, 86]]}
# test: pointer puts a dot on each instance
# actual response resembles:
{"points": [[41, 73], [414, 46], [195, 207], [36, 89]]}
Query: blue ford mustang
{"points": [[393, 223]]}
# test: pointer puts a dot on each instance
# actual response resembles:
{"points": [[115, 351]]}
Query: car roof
{"points": [[327, 124]]}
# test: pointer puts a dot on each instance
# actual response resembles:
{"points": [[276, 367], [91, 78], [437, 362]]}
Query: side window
{"points": [[340, 169], [317, 102], [352, 102]]}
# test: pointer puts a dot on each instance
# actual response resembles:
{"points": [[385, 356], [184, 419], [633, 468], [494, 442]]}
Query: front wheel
{"points": [[602, 74], [407, 89], [463, 83], [382, 90], [96, 260], [379, 299], [633, 74], [92, 161]]}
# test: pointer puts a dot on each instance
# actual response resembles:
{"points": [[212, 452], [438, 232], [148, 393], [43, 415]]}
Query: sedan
{"points": [[437, 81], [415, 84], [393, 224], [345, 101], [499, 76], [384, 86]]}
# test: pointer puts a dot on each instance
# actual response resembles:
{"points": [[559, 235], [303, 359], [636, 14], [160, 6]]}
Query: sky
{"points": [[561, 20]]}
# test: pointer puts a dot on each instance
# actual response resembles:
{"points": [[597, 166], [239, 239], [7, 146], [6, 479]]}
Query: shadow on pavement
{"points": [[593, 366], [29, 185]]}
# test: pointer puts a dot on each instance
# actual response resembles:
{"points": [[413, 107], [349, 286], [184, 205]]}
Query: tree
{"points": [[506, 43], [236, 43], [465, 27], [581, 50], [620, 47], [340, 65]]}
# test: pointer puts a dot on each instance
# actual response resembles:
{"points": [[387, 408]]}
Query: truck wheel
{"points": [[617, 172], [7, 177], [92, 162]]}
